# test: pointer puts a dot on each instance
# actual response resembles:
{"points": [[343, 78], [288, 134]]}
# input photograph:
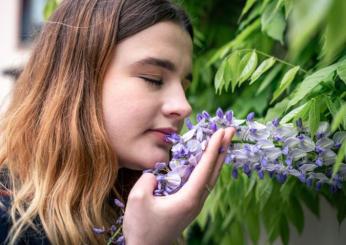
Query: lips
{"points": [[165, 130], [162, 133]]}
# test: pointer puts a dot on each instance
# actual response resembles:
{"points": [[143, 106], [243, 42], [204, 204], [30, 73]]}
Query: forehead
{"points": [[164, 40]]}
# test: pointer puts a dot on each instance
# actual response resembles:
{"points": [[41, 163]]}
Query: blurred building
{"points": [[20, 20]]}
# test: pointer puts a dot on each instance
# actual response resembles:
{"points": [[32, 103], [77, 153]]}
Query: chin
{"points": [[144, 164]]}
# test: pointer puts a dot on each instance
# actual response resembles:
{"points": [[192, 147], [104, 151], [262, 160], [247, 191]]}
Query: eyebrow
{"points": [[166, 64]]}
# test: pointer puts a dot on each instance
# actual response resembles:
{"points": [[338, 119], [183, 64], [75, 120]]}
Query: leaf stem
{"points": [[269, 56], [114, 236]]}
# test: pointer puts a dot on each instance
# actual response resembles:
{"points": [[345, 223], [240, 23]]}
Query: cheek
{"points": [[128, 110]]}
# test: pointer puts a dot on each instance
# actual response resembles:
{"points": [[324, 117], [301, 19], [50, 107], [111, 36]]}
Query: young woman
{"points": [[103, 87]]}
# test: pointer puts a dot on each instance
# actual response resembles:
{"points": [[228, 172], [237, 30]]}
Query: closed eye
{"points": [[155, 82]]}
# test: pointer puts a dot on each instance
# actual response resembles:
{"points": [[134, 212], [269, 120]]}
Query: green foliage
{"points": [[262, 68], [286, 59], [50, 6], [273, 22], [285, 82]]}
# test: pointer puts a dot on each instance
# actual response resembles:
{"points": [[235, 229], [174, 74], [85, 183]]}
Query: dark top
{"points": [[30, 236]]}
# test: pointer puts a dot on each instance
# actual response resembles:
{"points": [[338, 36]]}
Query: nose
{"points": [[176, 104]]}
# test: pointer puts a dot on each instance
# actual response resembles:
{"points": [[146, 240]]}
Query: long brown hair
{"points": [[54, 149]]}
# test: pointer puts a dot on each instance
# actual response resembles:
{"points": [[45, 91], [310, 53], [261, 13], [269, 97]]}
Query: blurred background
{"points": [[19, 21], [306, 33]]}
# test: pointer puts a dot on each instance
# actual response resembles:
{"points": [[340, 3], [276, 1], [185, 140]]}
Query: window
{"points": [[31, 19]]}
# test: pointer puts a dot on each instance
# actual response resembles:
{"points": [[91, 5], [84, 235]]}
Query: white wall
{"points": [[12, 54]]}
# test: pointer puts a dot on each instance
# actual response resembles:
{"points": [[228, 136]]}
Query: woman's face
{"points": [[144, 93]]}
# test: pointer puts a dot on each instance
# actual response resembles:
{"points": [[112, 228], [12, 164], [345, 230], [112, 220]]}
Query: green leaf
{"points": [[219, 81], [304, 21], [284, 230], [229, 218], [285, 82], [331, 106], [296, 112], [268, 79], [220, 53], [311, 82], [49, 8], [341, 209], [341, 155], [341, 71], [334, 39], [249, 30], [276, 111], [236, 235], [247, 7], [339, 117], [239, 39], [273, 22], [253, 225], [274, 228], [262, 68], [286, 189], [311, 200], [295, 214], [253, 181], [251, 64], [232, 70], [314, 116], [264, 189], [288, 7]]}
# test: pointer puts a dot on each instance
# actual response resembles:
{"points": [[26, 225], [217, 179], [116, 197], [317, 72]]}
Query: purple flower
{"points": [[338, 138], [229, 116], [219, 113], [188, 123], [276, 122], [250, 117], [199, 117], [281, 177], [118, 203], [299, 124], [247, 169], [323, 130], [213, 126], [235, 173], [206, 115], [308, 182], [113, 228], [120, 240], [119, 220], [260, 174], [99, 230], [172, 138], [281, 150]]}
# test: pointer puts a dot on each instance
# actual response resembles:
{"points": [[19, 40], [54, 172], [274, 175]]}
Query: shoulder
{"points": [[30, 236]]}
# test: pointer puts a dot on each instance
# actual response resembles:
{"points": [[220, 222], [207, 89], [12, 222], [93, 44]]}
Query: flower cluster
{"points": [[115, 231], [277, 149]]}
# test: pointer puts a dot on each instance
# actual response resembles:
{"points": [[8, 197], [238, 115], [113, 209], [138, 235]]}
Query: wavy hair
{"points": [[55, 156]]}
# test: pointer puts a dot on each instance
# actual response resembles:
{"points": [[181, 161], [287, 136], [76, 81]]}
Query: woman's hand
{"points": [[157, 220]]}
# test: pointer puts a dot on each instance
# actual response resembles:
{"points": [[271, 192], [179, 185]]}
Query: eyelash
{"points": [[154, 82]]}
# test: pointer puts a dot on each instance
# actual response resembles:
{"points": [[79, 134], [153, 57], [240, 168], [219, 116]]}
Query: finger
{"points": [[229, 133], [202, 173], [144, 186]]}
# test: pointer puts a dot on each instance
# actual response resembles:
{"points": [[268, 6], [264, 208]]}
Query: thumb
{"points": [[145, 185]]}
